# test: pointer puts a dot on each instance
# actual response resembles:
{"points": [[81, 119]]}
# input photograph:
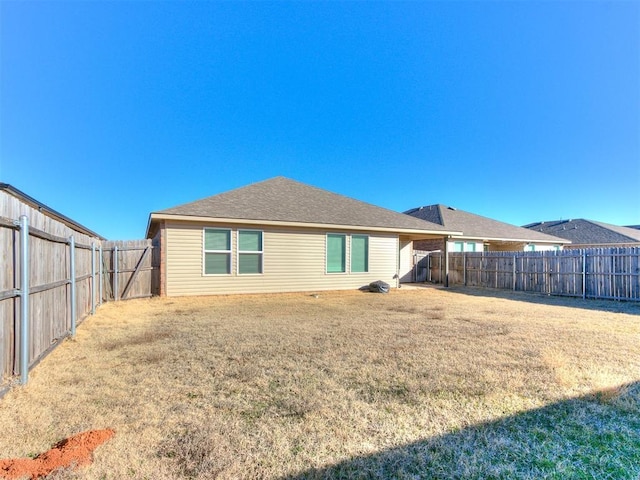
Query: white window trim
{"points": [[347, 257], [351, 252], [205, 251], [261, 252]]}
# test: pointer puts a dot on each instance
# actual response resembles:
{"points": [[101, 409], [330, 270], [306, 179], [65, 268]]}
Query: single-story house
{"points": [[480, 233], [281, 235], [588, 233]]}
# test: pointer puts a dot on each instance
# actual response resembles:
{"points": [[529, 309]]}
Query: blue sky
{"points": [[519, 111]]}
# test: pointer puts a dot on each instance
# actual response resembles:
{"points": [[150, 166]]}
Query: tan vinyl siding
{"points": [[406, 261], [294, 260]]}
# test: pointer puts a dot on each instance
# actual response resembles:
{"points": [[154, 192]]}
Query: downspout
{"points": [[397, 275]]}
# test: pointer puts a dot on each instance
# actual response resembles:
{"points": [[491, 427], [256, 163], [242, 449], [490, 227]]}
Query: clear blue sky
{"points": [[519, 111]]}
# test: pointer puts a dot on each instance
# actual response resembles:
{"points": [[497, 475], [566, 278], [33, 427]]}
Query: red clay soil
{"points": [[72, 452]]}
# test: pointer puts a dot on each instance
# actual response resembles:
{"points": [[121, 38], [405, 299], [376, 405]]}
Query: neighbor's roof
{"points": [[48, 211], [587, 232], [478, 227], [281, 200]]}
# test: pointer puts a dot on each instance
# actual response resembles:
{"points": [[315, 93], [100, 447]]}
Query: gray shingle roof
{"points": [[587, 232], [281, 199], [477, 226]]}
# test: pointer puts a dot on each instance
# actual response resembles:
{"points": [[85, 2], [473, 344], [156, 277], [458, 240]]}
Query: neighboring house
{"points": [[480, 233], [280, 235], [637, 227], [588, 233]]}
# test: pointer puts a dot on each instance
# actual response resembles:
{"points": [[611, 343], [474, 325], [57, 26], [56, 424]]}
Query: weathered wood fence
{"points": [[605, 273], [52, 277]]}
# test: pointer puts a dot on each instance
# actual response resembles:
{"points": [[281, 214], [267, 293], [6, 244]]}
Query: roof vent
{"points": [[451, 208]]}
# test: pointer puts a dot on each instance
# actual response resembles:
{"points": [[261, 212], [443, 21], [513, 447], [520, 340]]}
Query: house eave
{"points": [[277, 223]]}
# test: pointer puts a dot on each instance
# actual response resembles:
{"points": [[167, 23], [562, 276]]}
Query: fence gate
{"points": [[421, 272], [129, 269]]}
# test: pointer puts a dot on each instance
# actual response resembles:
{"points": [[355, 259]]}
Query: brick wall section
{"points": [[429, 245]]}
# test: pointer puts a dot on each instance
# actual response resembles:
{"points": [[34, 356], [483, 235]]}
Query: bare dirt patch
{"points": [[73, 452], [284, 386]]}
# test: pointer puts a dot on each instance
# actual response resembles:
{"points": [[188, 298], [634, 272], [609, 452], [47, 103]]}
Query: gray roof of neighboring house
{"points": [[587, 232], [48, 211], [281, 199], [479, 227], [637, 227]]}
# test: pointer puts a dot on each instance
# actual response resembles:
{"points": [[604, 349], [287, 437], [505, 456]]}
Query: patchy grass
{"points": [[422, 383]]}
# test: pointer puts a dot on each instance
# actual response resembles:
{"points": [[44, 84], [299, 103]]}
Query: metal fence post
{"points": [[93, 278], [584, 274], [100, 286], [514, 273], [72, 271], [24, 299], [115, 273]]}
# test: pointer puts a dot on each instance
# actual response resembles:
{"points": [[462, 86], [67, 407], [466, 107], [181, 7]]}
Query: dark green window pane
{"points": [[359, 253], [250, 241], [217, 263], [217, 240], [335, 253], [250, 263]]}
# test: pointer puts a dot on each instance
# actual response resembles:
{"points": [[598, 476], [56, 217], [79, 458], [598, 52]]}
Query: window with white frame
{"points": [[217, 251], [359, 253], [250, 252]]}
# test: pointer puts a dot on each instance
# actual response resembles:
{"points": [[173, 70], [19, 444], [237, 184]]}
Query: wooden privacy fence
{"points": [[605, 273], [50, 283]]}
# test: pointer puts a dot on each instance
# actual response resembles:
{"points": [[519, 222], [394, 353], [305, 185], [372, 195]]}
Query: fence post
{"points": [[584, 274], [464, 268], [115, 273], [100, 274], [24, 299], [514, 272], [93, 278], [72, 268]]}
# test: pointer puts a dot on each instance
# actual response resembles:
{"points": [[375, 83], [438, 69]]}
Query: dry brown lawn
{"points": [[419, 383]]}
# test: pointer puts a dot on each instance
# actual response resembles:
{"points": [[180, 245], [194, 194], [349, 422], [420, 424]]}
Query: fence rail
{"points": [[603, 273], [50, 282]]}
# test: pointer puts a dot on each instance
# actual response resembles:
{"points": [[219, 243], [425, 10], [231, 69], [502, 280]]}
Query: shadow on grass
{"points": [[591, 437], [629, 307]]}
